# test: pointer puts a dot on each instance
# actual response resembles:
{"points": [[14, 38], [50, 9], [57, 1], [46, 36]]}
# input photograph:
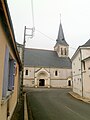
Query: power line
{"points": [[50, 37], [33, 28], [45, 35]]}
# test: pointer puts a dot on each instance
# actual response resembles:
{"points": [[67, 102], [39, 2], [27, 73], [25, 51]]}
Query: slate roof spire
{"points": [[61, 39]]}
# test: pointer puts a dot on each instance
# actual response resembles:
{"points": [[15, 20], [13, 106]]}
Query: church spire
{"points": [[61, 47], [61, 39]]}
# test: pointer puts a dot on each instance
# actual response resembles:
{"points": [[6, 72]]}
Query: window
{"points": [[61, 51], [9, 72], [84, 65], [26, 73], [56, 73], [69, 83], [65, 51]]}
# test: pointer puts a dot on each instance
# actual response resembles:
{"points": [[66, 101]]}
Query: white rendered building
{"points": [[80, 70]]}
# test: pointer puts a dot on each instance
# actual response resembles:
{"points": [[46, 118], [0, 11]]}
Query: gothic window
{"points": [[65, 51], [61, 51], [69, 83], [26, 73], [84, 65], [56, 73]]}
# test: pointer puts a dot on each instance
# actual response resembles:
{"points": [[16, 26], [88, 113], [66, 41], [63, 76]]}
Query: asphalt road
{"points": [[56, 104]]}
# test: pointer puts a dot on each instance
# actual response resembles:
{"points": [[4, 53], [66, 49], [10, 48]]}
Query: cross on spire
{"points": [[60, 17]]}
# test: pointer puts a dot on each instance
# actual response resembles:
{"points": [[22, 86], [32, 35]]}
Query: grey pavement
{"points": [[56, 104]]}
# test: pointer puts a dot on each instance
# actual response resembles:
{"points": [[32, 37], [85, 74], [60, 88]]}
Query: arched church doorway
{"points": [[41, 82], [69, 83]]}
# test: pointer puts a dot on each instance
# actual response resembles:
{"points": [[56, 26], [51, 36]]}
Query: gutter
{"points": [[81, 71]]}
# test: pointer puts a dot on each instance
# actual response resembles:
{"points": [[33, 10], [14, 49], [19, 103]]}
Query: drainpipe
{"points": [[23, 61], [81, 70]]}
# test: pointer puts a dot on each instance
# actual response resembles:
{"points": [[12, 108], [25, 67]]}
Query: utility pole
{"points": [[23, 51], [23, 48]]}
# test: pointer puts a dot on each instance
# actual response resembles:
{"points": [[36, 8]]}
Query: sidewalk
{"points": [[19, 110], [75, 95]]}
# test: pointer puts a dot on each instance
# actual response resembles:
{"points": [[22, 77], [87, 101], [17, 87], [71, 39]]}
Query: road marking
{"points": [[75, 112]]}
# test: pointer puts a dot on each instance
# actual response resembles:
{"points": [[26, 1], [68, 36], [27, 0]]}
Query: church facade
{"points": [[48, 68]]}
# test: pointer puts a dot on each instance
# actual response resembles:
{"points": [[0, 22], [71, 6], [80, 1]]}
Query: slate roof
{"points": [[87, 44], [45, 58], [61, 39]]}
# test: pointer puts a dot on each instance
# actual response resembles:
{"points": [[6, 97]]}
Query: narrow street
{"points": [[56, 104]]}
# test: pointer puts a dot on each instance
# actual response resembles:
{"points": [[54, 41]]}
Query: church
{"points": [[48, 68]]}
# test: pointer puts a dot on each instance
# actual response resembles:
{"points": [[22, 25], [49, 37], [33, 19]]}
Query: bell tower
{"points": [[61, 47]]}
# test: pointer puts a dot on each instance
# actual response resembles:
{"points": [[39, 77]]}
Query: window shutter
{"points": [[14, 72], [11, 75], [5, 75]]}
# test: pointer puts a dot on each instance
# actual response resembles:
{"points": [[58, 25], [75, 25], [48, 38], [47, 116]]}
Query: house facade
{"points": [[86, 77], [10, 64], [79, 71], [48, 68]]}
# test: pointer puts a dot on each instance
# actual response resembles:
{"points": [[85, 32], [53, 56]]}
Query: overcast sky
{"points": [[75, 19]]}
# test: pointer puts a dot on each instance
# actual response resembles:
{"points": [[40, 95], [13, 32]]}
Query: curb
{"points": [[79, 97], [25, 108], [30, 115]]}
